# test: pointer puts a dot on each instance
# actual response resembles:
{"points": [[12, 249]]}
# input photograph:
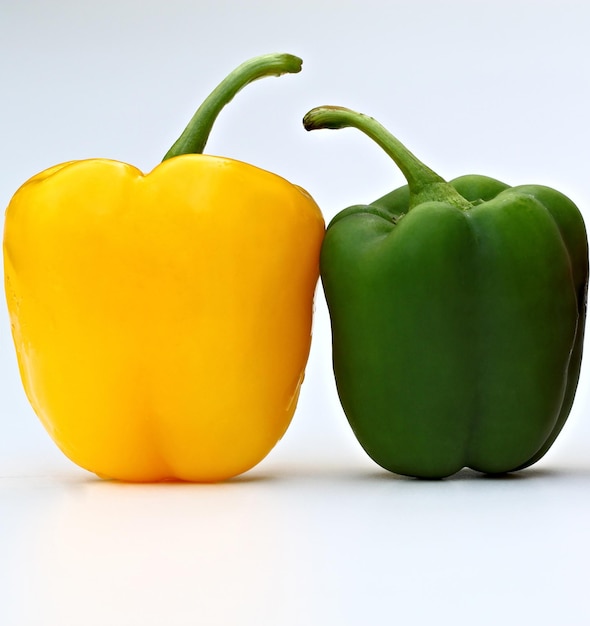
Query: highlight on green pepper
{"points": [[457, 312]]}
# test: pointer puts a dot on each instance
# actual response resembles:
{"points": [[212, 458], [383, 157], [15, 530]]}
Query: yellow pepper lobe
{"points": [[162, 322]]}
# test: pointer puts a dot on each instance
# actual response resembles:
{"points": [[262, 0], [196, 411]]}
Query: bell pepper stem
{"points": [[424, 184], [194, 137]]}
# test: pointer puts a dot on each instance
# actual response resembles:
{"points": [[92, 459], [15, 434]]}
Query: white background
{"points": [[316, 534]]}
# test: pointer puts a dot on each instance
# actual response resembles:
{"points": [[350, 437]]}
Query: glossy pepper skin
{"points": [[457, 315], [162, 321]]}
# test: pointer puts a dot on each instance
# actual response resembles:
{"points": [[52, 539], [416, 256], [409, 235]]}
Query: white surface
{"points": [[344, 545], [316, 534]]}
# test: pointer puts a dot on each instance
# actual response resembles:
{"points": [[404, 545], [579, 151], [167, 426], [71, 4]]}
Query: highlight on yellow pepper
{"points": [[162, 321]]}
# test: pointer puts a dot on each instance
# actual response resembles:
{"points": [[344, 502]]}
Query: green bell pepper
{"points": [[457, 313]]}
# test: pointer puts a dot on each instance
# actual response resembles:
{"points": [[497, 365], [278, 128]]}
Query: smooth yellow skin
{"points": [[162, 322]]}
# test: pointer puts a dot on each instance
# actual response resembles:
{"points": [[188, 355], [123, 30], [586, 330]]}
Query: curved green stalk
{"points": [[195, 135], [425, 185]]}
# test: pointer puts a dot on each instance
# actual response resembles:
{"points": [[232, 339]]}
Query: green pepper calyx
{"points": [[424, 184], [194, 137]]}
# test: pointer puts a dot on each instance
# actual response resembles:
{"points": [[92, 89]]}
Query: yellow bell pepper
{"points": [[162, 322]]}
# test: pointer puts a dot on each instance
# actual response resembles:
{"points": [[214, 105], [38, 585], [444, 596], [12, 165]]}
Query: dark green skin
{"points": [[457, 313], [457, 332]]}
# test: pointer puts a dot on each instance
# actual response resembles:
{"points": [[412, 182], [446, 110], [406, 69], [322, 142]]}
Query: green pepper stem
{"points": [[424, 184], [194, 137]]}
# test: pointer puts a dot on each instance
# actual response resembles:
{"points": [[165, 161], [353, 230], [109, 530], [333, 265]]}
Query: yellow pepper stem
{"points": [[195, 135]]}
